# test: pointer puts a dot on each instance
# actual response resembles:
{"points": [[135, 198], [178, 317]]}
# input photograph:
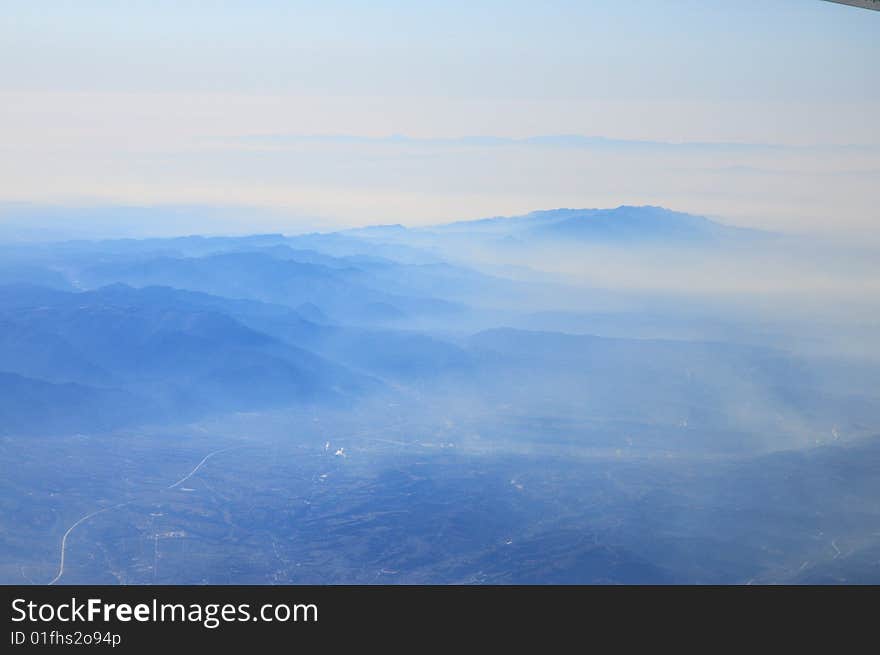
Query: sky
{"points": [[229, 105]]}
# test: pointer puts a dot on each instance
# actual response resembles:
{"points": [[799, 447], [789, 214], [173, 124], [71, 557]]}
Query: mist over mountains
{"points": [[502, 340], [192, 324], [623, 224]]}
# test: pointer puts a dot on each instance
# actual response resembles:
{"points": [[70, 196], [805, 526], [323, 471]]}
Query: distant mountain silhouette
{"points": [[622, 224], [338, 291], [30, 406], [165, 345]]}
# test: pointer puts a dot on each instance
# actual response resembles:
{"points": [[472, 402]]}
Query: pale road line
{"points": [[198, 466], [106, 509], [26, 577], [70, 529]]}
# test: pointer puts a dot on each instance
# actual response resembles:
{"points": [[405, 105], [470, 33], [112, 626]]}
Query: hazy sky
{"points": [[156, 102]]}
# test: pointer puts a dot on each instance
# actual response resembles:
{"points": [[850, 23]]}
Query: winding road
{"points": [[198, 466], [71, 529], [88, 516]]}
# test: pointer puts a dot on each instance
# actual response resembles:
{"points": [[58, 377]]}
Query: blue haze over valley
{"points": [[484, 292], [439, 405]]}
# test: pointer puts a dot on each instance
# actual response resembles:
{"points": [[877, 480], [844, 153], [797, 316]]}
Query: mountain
{"points": [[624, 224], [169, 347], [30, 407], [337, 291]]}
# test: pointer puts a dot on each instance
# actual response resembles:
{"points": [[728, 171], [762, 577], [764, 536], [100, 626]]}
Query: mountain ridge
{"points": [[622, 223]]}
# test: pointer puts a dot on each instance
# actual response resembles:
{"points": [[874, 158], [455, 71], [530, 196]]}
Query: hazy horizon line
{"points": [[542, 140], [56, 211]]}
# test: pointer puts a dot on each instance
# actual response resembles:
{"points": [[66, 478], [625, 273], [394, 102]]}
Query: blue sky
{"points": [[147, 102], [749, 49]]}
